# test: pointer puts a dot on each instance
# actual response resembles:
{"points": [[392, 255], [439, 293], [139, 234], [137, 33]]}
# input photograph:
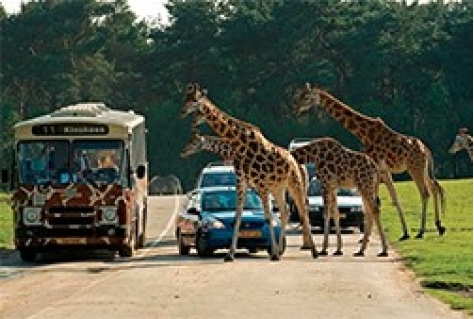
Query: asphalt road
{"points": [[158, 283]]}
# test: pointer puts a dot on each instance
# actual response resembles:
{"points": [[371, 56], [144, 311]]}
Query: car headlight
{"points": [[32, 216], [109, 214], [212, 224]]}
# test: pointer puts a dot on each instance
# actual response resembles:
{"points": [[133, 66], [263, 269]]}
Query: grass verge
{"points": [[6, 222], [443, 264]]}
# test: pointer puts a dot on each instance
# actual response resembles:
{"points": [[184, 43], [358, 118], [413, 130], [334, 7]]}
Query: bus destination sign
{"points": [[70, 129]]}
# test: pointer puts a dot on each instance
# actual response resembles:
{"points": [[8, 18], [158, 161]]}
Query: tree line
{"points": [[409, 64]]}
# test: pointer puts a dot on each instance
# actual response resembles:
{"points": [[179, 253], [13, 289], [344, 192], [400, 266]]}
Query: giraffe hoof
{"points": [[337, 253], [323, 253], [441, 230], [404, 237], [383, 254], [420, 235], [274, 257], [359, 254], [314, 253], [228, 258]]}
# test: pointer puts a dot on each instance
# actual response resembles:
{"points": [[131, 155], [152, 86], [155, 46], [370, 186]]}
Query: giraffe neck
{"points": [[227, 126], [363, 127], [310, 153], [468, 145], [219, 146]]}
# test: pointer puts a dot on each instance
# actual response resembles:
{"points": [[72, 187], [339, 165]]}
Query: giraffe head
{"points": [[199, 119], [462, 141], [192, 100], [305, 98], [195, 145]]}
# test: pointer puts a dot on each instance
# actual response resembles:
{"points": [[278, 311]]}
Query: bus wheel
{"points": [[27, 254], [126, 250]]}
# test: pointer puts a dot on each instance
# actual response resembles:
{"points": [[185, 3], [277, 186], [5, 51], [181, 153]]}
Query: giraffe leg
{"points": [[378, 221], [241, 190], [387, 178], [280, 201], [419, 177], [369, 221], [337, 224], [327, 220], [297, 190]]}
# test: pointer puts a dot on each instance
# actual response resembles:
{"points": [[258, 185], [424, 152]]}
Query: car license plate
{"points": [[250, 234], [72, 241]]}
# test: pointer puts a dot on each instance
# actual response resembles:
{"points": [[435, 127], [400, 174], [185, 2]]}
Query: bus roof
{"points": [[93, 113]]}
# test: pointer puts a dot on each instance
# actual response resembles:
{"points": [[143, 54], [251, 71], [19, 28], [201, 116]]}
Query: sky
{"points": [[145, 9]]}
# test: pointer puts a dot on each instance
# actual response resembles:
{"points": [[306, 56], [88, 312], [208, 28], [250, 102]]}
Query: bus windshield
{"points": [[62, 162]]}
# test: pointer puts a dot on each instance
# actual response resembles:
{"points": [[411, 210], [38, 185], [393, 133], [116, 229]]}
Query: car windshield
{"points": [[62, 162], [314, 189], [219, 179], [227, 200]]}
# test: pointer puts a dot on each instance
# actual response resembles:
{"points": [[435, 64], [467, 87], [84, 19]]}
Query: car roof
{"points": [[298, 142], [218, 168], [211, 189]]}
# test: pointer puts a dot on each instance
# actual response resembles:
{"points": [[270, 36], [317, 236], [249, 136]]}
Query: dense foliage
{"points": [[408, 64]]}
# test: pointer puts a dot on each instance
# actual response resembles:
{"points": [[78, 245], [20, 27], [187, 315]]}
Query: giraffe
{"points": [[340, 167], [462, 141], [392, 151], [269, 168]]}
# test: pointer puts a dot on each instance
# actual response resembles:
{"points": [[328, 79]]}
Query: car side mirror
{"points": [[141, 170]]}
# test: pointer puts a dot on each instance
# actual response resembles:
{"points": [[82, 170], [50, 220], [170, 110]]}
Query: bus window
{"points": [[99, 161], [41, 161]]}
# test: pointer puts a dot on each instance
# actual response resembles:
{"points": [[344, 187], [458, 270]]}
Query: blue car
{"points": [[207, 223]]}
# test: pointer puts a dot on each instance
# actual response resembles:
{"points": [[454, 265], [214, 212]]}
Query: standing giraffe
{"points": [[393, 152], [462, 141], [340, 167], [269, 168]]}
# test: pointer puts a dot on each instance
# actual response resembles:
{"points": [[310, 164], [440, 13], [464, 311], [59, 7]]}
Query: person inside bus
{"points": [[108, 170]]}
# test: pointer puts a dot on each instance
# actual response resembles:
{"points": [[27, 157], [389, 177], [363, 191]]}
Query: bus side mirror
{"points": [[141, 171], [5, 178]]}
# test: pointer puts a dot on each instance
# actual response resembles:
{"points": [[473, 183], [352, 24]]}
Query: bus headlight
{"points": [[32, 216], [109, 215]]}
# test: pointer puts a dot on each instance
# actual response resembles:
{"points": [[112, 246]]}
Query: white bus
{"points": [[80, 180]]}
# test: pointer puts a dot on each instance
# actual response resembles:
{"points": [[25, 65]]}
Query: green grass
{"points": [[442, 263], [6, 222]]}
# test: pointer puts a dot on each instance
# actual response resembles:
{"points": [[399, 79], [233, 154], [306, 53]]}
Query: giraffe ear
{"points": [[204, 92]]}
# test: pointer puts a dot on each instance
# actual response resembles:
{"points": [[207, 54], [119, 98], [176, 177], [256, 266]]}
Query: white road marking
{"points": [[113, 273]]}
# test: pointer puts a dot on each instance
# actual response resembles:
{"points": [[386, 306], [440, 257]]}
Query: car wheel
{"points": [[269, 248], [182, 248], [361, 226], [201, 247]]}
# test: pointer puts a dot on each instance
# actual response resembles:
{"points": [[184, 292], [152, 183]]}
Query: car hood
{"points": [[342, 201], [230, 215]]}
